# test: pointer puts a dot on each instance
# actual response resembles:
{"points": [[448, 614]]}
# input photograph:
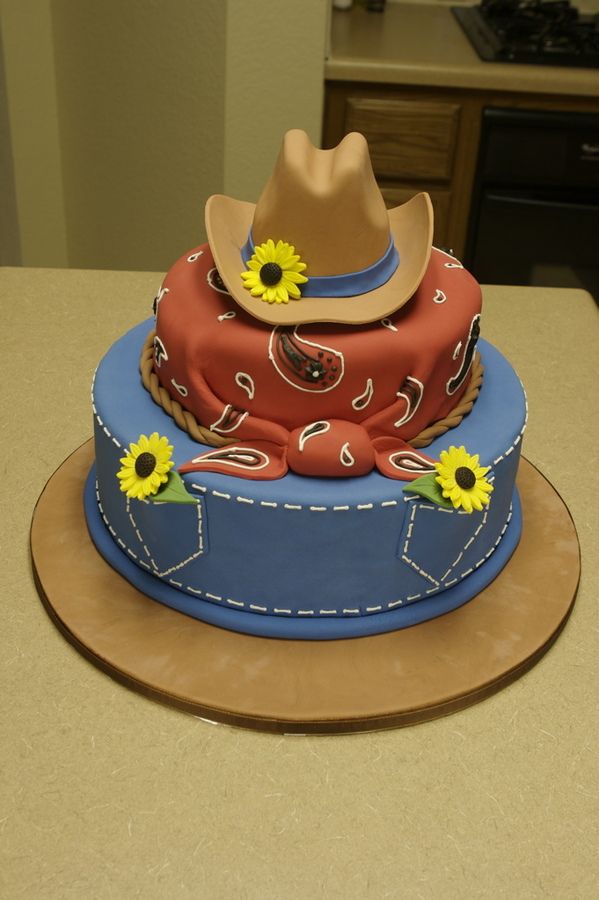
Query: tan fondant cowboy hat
{"points": [[350, 259]]}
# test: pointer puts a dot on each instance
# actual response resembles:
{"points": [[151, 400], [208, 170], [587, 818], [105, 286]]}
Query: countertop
{"points": [[423, 44], [106, 794]]}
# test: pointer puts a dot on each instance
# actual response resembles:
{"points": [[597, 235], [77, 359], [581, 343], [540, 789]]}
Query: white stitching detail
{"points": [[420, 571], [522, 430], [274, 504], [405, 558], [102, 425], [155, 566], [328, 612]]}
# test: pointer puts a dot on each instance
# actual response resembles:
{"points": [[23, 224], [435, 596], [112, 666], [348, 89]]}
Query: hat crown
{"points": [[326, 203]]}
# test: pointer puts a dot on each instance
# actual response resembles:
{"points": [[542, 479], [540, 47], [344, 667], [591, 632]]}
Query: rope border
{"points": [[188, 422]]}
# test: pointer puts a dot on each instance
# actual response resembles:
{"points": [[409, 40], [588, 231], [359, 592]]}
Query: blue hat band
{"points": [[351, 284]]}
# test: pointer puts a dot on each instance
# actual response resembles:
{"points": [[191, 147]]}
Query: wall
{"points": [[137, 110], [275, 73], [140, 118], [31, 168], [10, 248]]}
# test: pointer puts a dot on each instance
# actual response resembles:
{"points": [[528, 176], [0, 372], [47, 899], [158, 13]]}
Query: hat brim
{"points": [[228, 223]]}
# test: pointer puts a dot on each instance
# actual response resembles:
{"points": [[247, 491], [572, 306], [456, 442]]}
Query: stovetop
{"points": [[542, 32]]}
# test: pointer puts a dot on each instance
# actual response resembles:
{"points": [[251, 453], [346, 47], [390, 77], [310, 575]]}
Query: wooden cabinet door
{"points": [[395, 196], [408, 139]]}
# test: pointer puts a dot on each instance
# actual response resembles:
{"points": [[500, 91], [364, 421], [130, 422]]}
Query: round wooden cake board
{"points": [[319, 687]]}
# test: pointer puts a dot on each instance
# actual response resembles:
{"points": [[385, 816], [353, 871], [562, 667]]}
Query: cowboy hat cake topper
{"points": [[319, 245]]}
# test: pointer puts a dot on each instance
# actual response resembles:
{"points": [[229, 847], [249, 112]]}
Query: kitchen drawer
{"points": [[394, 196], [408, 139]]}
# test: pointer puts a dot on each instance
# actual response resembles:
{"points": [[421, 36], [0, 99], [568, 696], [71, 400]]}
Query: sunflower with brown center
{"points": [[146, 466], [274, 272], [462, 480]]}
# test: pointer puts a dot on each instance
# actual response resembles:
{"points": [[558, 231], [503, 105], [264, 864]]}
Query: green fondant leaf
{"points": [[173, 491], [427, 486]]}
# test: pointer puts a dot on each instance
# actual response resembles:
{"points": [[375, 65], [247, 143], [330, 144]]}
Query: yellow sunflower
{"points": [[274, 272], [462, 480], [146, 466]]}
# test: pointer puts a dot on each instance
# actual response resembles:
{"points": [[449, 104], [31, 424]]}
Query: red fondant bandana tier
{"points": [[331, 400]]}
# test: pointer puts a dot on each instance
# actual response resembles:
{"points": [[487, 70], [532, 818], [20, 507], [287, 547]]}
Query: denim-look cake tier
{"points": [[298, 557]]}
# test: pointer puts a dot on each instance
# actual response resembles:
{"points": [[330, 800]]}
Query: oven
{"points": [[550, 32], [535, 206]]}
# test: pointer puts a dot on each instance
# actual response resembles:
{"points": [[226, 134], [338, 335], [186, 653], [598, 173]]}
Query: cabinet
{"points": [[427, 139]]}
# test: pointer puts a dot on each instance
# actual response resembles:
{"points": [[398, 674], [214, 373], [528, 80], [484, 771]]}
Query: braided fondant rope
{"points": [[453, 418], [188, 422], [184, 419]]}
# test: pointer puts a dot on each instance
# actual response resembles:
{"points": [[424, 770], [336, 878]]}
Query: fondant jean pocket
{"points": [[437, 542], [170, 535]]}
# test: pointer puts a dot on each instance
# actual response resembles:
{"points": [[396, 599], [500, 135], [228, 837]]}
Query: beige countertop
{"points": [[423, 44], [106, 794]]}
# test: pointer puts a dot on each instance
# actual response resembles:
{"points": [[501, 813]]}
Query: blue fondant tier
{"points": [[302, 557]]}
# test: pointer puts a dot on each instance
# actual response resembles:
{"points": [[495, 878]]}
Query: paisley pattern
{"points": [[322, 399], [458, 379], [231, 418], [158, 298], [411, 391], [303, 364], [396, 459], [364, 399], [246, 383], [160, 354], [312, 430], [345, 457], [214, 279], [335, 448], [259, 461]]}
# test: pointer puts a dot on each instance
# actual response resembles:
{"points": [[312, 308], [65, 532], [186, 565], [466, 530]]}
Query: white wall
{"points": [[125, 115], [32, 172], [274, 81]]}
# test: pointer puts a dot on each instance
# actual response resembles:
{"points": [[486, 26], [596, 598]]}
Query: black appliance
{"points": [[535, 207], [549, 32]]}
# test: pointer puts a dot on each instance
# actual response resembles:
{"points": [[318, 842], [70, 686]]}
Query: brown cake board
{"points": [[320, 687]]}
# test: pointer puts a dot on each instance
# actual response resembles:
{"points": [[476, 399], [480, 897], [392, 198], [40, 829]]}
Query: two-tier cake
{"points": [[309, 439]]}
